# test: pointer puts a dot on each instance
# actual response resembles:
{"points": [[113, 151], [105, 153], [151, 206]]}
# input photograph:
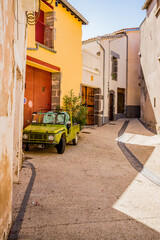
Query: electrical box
{"points": [[30, 5]]}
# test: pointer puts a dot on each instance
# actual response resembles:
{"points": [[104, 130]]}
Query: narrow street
{"points": [[92, 191]]}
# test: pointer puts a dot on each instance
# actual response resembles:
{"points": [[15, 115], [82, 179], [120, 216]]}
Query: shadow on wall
{"points": [[147, 111]]}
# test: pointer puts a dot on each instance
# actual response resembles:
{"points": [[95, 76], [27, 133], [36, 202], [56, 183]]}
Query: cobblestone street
{"points": [[94, 191]]}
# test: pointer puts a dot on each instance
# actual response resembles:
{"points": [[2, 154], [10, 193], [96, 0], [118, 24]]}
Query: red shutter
{"points": [[40, 28]]}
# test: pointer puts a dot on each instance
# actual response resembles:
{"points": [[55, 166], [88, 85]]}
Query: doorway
{"points": [[120, 102], [88, 99], [111, 106], [37, 92]]}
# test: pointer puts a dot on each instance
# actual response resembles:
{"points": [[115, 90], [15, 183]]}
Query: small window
{"points": [[114, 68]]}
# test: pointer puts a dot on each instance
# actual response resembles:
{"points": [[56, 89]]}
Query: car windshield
{"points": [[48, 118]]}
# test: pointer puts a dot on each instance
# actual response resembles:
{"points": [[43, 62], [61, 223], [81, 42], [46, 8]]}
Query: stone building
{"points": [[12, 79], [150, 64]]}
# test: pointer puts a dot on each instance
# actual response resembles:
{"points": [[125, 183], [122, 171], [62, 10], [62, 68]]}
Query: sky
{"points": [[107, 16]]}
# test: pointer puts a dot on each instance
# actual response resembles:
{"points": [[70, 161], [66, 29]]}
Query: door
{"points": [[37, 92], [111, 107], [120, 100], [88, 98]]}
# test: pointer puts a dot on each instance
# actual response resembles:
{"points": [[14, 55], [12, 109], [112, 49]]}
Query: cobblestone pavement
{"points": [[91, 192]]}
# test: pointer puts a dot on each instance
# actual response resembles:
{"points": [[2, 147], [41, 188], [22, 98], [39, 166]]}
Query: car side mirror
{"points": [[68, 124]]}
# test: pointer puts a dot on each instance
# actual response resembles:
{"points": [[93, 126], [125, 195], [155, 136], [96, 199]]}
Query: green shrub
{"points": [[74, 104]]}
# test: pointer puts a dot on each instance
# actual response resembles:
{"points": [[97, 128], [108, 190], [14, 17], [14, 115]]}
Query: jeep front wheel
{"points": [[61, 146]]}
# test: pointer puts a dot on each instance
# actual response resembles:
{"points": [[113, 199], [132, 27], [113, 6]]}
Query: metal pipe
{"points": [[109, 64], [125, 34], [98, 42]]}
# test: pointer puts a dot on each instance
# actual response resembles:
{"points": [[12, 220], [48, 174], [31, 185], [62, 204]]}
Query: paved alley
{"points": [[92, 191]]}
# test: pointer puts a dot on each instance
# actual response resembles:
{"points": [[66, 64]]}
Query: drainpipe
{"points": [[109, 74], [125, 34], [98, 42]]}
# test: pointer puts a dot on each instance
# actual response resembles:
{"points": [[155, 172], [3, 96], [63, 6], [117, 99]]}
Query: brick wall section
{"points": [[49, 33], [56, 90]]}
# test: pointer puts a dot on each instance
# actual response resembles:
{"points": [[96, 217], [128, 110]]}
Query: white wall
{"points": [[150, 62], [117, 45], [92, 65], [20, 42]]}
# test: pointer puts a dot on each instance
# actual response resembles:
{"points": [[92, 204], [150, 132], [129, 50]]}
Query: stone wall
{"points": [[49, 32], [56, 90], [98, 107]]}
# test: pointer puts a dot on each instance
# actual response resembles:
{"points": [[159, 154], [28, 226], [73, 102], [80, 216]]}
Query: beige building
{"points": [[150, 63], [12, 76], [111, 76]]}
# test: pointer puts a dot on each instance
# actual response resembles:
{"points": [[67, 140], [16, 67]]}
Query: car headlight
{"points": [[50, 137], [25, 136]]}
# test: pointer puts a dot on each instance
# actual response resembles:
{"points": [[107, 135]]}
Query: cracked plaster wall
{"points": [[12, 57]]}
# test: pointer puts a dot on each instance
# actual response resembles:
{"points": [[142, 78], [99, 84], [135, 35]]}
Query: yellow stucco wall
{"points": [[68, 45]]}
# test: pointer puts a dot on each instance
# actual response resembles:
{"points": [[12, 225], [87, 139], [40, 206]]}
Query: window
{"points": [[114, 68], [45, 29]]}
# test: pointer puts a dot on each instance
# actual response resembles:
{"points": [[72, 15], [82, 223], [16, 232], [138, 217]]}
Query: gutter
{"points": [[98, 42], [125, 34]]}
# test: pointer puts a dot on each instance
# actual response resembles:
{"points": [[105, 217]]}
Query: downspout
{"points": [[109, 46], [125, 34], [98, 42]]}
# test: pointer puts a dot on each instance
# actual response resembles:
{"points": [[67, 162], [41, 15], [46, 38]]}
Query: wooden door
{"points": [[42, 90], [88, 98], [37, 92], [120, 100]]}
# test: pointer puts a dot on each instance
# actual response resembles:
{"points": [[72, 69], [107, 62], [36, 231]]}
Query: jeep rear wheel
{"points": [[75, 140], [61, 146]]}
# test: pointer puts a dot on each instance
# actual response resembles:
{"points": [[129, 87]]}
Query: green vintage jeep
{"points": [[51, 128]]}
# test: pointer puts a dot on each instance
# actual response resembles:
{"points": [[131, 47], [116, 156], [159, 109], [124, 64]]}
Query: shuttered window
{"points": [[45, 32]]}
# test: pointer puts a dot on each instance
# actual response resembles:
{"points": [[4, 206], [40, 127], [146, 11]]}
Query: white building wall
{"points": [[91, 65], [20, 43], [150, 62], [118, 46]]}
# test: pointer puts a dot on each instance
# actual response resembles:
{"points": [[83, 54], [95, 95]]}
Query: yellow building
{"points": [[54, 59]]}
